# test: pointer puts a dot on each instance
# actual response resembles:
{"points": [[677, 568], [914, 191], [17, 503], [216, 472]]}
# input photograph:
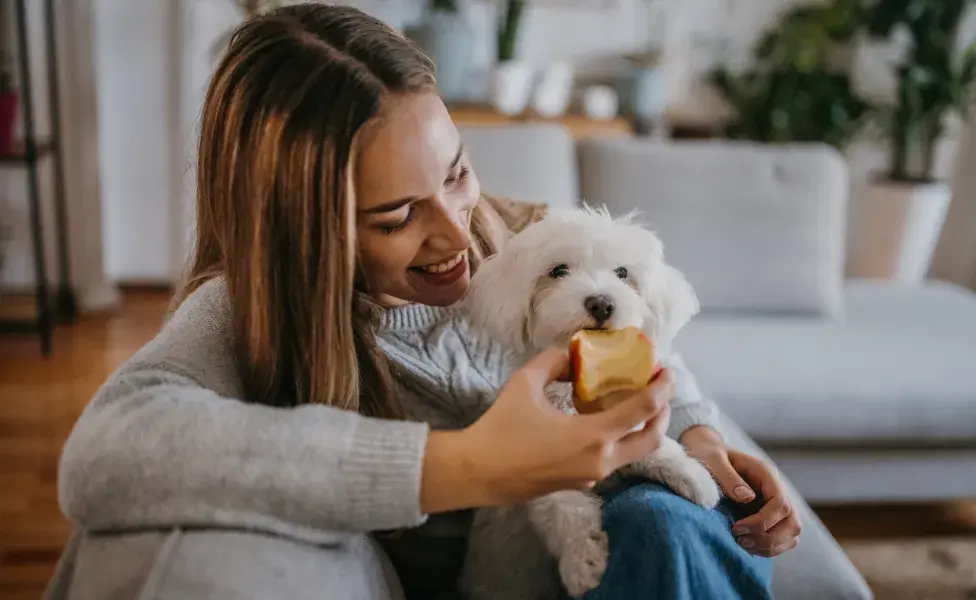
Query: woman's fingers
{"points": [[732, 484], [546, 367], [774, 551], [641, 421], [757, 472], [639, 444], [773, 511], [784, 547], [637, 410], [776, 503], [781, 537], [775, 529]]}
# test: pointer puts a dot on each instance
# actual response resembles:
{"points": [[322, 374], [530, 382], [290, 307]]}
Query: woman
{"points": [[337, 216]]}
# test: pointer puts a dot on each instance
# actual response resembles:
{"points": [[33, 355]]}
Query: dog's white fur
{"points": [[535, 550]]}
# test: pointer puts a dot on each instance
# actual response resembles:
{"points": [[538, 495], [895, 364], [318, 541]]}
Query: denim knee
{"points": [[651, 515], [663, 546]]}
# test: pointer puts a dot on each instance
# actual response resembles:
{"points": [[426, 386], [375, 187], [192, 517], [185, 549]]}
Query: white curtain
{"points": [[955, 256]]}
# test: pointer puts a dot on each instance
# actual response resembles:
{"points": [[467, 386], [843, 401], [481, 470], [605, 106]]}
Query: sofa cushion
{"points": [[900, 367], [533, 162], [202, 563], [753, 227]]}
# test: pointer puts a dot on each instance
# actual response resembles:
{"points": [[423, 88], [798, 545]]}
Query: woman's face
{"points": [[415, 191]]}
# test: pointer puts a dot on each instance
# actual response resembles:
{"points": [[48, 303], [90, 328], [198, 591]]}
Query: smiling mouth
{"points": [[441, 267]]}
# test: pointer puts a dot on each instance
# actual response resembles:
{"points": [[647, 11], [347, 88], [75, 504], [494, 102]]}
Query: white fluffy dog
{"points": [[572, 270]]}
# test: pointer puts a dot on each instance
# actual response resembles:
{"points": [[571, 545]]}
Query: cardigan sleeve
{"points": [[167, 442]]}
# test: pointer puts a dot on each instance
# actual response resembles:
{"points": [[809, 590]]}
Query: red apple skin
{"points": [[581, 400], [575, 362]]}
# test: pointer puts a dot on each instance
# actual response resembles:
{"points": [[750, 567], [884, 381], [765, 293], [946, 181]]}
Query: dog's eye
{"points": [[621, 272], [559, 271]]}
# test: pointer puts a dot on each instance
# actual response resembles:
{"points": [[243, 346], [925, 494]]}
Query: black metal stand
{"points": [[29, 156]]}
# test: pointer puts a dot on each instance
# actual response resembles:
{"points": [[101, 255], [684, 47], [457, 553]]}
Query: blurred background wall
{"points": [[149, 62]]}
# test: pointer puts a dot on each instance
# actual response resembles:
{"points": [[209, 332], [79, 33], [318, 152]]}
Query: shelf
{"points": [[19, 154], [12, 326], [579, 126], [37, 312]]}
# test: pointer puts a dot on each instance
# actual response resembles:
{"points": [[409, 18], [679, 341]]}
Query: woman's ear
{"points": [[498, 300], [672, 302]]}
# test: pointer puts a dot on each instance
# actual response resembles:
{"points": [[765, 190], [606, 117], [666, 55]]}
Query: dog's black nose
{"points": [[600, 308]]}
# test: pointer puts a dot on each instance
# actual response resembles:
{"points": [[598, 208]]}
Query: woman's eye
{"points": [[460, 176], [394, 227], [621, 272], [559, 271]]}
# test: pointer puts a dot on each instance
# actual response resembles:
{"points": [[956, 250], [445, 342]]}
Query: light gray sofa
{"points": [[198, 564], [858, 391]]}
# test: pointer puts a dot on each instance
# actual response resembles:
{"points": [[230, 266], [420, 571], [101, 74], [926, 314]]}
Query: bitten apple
{"points": [[606, 362]]}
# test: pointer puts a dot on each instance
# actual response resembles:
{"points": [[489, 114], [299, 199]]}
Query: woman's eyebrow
{"points": [[397, 204]]}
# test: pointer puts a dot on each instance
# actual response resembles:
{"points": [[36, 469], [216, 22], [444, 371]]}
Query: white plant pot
{"points": [[511, 87], [600, 102], [897, 227], [553, 92]]}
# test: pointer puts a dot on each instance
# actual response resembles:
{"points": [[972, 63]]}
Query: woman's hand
{"points": [[524, 447], [772, 530]]}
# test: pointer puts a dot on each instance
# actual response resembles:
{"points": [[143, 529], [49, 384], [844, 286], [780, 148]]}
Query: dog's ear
{"points": [[499, 299], [671, 300]]}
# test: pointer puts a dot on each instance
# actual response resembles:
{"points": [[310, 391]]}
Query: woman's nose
{"points": [[451, 230]]}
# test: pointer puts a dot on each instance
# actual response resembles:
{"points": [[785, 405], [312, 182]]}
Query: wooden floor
{"points": [[40, 399]]}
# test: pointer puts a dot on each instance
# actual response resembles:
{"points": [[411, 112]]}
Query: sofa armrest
{"points": [[817, 569], [203, 564]]}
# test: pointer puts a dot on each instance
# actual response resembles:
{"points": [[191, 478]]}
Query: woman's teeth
{"points": [[443, 267]]}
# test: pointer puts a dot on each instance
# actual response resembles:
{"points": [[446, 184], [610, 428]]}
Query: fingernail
{"points": [[746, 543], [743, 493], [740, 530]]}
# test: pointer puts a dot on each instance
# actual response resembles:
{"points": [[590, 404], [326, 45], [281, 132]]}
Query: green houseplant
{"points": [[508, 29], [446, 6], [797, 88], [934, 80], [511, 80], [901, 218]]}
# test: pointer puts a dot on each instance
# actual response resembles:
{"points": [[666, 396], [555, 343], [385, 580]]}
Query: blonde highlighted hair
{"points": [[276, 206]]}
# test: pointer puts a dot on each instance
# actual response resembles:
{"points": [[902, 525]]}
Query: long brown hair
{"points": [[276, 204]]}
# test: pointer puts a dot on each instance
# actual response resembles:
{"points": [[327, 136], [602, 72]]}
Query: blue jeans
{"points": [[663, 547]]}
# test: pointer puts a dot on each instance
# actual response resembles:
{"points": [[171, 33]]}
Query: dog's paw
{"points": [[582, 565], [691, 480]]}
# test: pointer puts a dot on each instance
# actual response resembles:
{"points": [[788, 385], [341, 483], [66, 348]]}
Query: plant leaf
{"points": [[967, 67], [885, 15]]}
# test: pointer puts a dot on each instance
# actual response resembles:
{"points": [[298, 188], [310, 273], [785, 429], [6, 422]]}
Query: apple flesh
{"points": [[606, 364]]}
